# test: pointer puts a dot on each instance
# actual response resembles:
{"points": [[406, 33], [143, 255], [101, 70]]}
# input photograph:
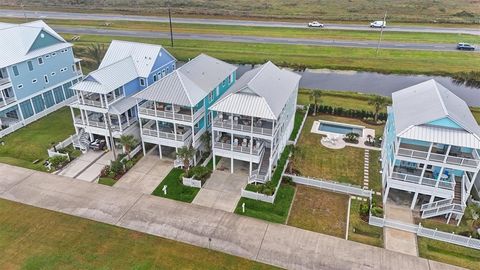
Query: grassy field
{"points": [[374, 176], [388, 61], [34, 238], [175, 189], [319, 211], [107, 181], [276, 212], [304, 33], [31, 142], [448, 253], [459, 11], [361, 231], [299, 115]]}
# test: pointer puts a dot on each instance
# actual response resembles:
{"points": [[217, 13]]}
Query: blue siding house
{"points": [[174, 110], [37, 69], [105, 108]]}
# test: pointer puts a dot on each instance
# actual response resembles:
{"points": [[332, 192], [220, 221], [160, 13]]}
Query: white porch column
{"points": [[250, 169], [143, 148], [439, 176], [120, 122], [108, 143], [447, 153], [3, 98], [158, 128], [214, 162], [414, 201], [160, 151], [141, 128], [449, 217], [73, 115], [81, 96], [128, 118], [385, 196], [429, 150], [102, 101], [231, 165], [432, 199], [175, 130], [173, 112]]}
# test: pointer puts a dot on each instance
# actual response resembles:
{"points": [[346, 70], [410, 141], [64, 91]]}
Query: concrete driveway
{"points": [[221, 191], [88, 166], [254, 239], [146, 175], [398, 240]]}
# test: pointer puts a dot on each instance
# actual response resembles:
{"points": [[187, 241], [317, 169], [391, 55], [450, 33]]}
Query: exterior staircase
{"points": [[260, 175], [454, 205], [82, 141]]}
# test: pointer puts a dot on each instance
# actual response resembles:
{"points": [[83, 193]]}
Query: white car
{"points": [[315, 24], [378, 24]]}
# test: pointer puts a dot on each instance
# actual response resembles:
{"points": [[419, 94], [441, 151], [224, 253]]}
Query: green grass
{"points": [[30, 143], [175, 189], [374, 176], [303, 33], [360, 10], [387, 61], [319, 211], [299, 114], [360, 231], [276, 212], [107, 181], [34, 238], [448, 253]]}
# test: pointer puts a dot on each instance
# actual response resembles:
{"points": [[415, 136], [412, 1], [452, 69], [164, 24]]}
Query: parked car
{"points": [[378, 24], [465, 47], [315, 24]]}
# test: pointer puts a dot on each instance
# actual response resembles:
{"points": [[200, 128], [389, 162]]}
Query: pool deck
{"points": [[341, 144]]}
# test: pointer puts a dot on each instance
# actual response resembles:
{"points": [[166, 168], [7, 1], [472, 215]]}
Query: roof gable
{"points": [[445, 122], [43, 40]]}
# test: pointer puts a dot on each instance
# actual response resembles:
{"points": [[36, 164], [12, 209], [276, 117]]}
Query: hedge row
{"points": [[361, 114]]}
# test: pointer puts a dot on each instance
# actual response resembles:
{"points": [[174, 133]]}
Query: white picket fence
{"points": [[426, 232], [35, 117], [191, 182], [258, 196], [330, 185], [294, 142]]}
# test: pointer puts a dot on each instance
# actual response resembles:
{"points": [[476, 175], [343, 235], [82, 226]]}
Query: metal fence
{"points": [[426, 232], [332, 186], [294, 142]]}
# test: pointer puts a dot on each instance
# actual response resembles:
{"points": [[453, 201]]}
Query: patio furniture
{"points": [[235, 142]]}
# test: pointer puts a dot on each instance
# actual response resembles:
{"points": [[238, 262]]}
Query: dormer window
{"points": [[142, 81], [40, 61]]}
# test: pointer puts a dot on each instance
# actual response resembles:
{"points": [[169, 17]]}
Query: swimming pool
{"points": [[339, 128]]}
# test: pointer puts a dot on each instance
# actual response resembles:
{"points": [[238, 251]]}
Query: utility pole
{"points": [[23, 9], [381, 31], [170, 19], [112, 141]]}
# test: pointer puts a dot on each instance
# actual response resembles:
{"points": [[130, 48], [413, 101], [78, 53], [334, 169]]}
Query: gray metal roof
{"points": [[427, 102], [122, 105], [108, 78], [17, 39], [267, 88], [449, 136], [190, 83], [143, 55]]}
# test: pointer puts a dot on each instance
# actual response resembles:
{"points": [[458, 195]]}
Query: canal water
{"points": [[371, 82]]}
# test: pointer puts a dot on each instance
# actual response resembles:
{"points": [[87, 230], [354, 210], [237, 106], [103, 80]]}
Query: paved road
{"points": [[255, 39], [275, 244], [85, 16]]}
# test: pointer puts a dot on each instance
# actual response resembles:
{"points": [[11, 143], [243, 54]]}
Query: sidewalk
{"points": [[275, 244]]}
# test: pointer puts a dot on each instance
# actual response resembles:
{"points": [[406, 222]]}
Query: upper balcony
{"points": [[414, 176], [438, 153], [5, 81], [243, 123], [99, 100], [118, 122], [6, 97], [171, 111], [240, 144]]}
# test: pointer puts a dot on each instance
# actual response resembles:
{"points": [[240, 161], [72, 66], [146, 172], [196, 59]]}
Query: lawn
{"points": [[387, 61], [448, 253], [107, 181], [175, 189], [31, 142], [299, 114], [34, 238], [361, 231], [276, 212], [314, 160], [319, 211], [374, 176], [303, 33]]}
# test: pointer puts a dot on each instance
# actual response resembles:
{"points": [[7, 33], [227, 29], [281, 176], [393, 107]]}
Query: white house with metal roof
{"points": [[37, 69], [174, 111], [254, 120], [431, 150], [105, 108]]}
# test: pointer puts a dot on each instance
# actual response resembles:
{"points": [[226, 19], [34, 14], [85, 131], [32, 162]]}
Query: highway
{"points": [[117, 17], [255, 39]]}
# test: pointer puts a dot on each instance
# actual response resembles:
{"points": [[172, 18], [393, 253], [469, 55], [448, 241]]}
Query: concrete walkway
{"points": [[146, 175], [88, 166], [275, 244], [221, 191], [398, 240]]}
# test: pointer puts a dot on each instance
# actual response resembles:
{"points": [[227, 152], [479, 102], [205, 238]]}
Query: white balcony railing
{"points": [[172, 115], [227, 124], [425, 181], [4, 81], [468, 162], [167, 135], [238, 148]]}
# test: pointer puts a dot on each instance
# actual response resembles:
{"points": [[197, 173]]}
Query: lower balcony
{"points": [[166, 135]]}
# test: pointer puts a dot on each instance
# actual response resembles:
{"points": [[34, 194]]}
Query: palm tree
{"points": [[378, 103], [96, 51], [206, 139], [315, 96], [128, 142], [186, 153], [472, 216]]}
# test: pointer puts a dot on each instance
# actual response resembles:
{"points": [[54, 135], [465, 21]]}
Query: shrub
{"points": [[58, 161], [364, 211], [117, 167], [105, 171], [199, 172], [351, 137], [377, 211], [287, 180]]}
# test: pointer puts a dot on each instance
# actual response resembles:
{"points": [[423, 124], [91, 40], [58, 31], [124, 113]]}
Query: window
{"points": [[34, 81], [45, 78], [210, 96], [173, 66], [54, 54], [53, 73], [30, 65], [63, 69], [163, 73], [155, 77], [47, 56], [209, 119], [20, 86], [168, 69], [142, 81], [223, 83], [230, 78], [218, 91], [15, 70], [40, 61]]}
